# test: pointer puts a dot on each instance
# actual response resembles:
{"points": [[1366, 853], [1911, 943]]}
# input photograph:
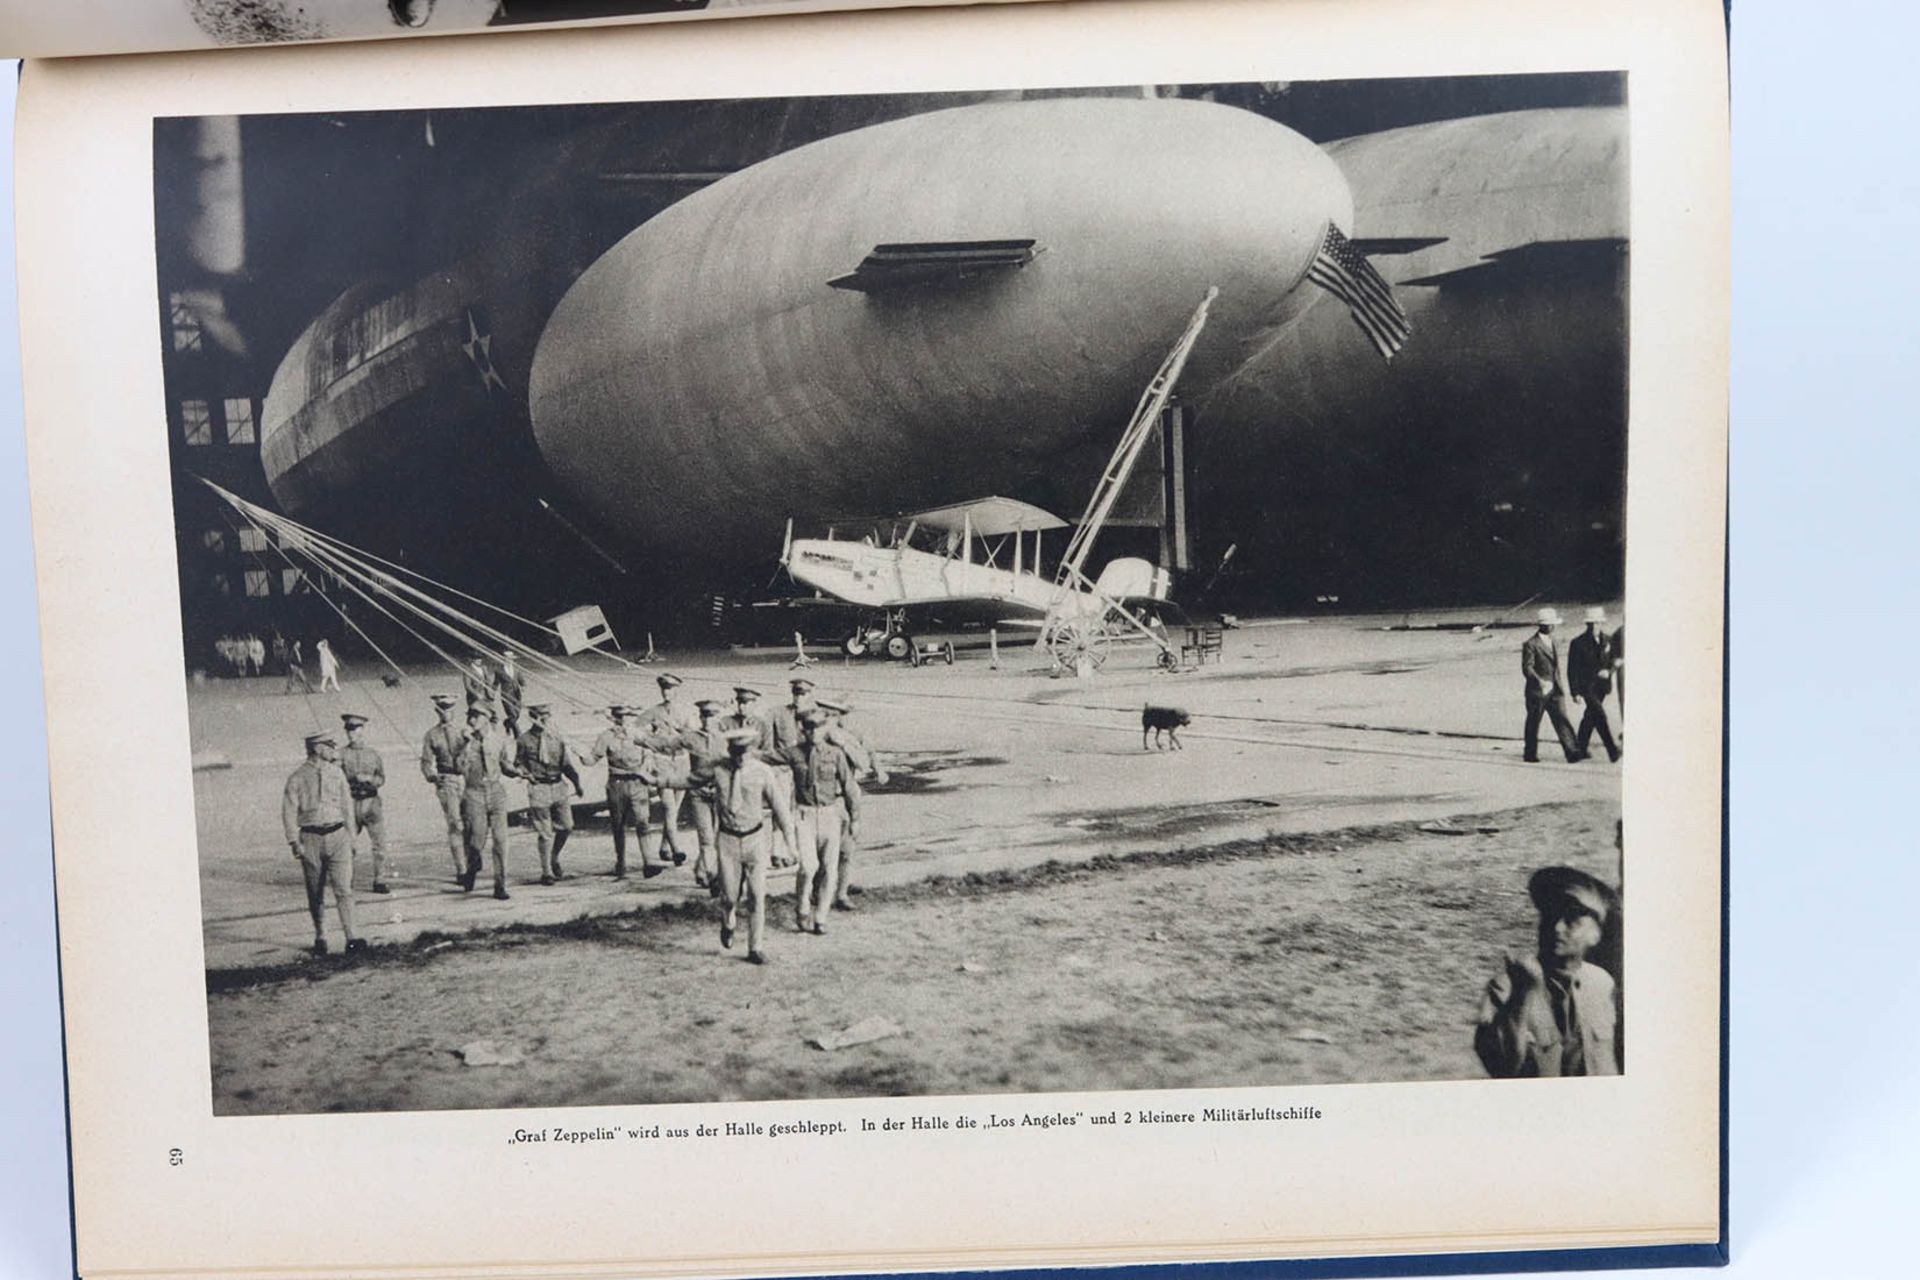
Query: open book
{"points": [[944, 638]]}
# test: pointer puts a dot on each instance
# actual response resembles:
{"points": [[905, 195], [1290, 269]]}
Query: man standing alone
{"points": [[316, 815], [1540, 668]]}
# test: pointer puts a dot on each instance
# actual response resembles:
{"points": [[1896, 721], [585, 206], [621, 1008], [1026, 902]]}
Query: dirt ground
{"points": [[1346, 955]]}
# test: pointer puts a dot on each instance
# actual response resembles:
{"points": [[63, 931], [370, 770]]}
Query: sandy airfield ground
{"points": [[1048, 907]]}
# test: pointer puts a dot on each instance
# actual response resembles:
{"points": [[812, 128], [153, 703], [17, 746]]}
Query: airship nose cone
{"points": [[704, 376]]}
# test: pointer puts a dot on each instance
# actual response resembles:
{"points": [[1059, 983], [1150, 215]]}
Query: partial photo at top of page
{"points": [[32, 28]]}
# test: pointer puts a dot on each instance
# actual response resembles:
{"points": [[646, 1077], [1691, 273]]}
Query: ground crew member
{"points": [[1590, 680], [481, 690], [486, 762], [826, 797], [745, 715], [440, 766], [704, 748], [1555, 1014], [316, 814], [745, 795], [296, 671], [667, 719], [543, 758], [1540, 668], [866, 764], [634, 768], [329, 666], [366, 774], [512, 687]]}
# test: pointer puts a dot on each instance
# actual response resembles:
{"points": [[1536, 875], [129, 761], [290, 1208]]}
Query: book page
{"points": [[1014, 614], [90, 27]]}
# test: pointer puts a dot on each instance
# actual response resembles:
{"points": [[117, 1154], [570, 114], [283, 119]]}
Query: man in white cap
{"points": [[1554, 1013], [316, 815], [440, 766], [745, 796], [1540, 667], [1590, 679]]}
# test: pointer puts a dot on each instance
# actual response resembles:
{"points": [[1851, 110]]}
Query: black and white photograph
{"points": [[990, 592]]}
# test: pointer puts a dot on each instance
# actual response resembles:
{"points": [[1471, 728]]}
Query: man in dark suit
{"points": [[1590, 679], [1540, 668]]}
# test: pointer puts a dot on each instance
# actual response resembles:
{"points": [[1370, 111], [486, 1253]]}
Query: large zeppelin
{"points": [[704, 380]]}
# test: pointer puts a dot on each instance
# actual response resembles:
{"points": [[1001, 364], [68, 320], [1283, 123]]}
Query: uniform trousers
{"points": [[743, 879], [629, 803], [371, 815], [450, 788], [326, 858], [818, 833], [550, 809], [705, 827], [1554, 708], [483, 811]]}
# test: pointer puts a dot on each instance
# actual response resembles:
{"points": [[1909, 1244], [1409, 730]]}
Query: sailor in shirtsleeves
{"points": [[634, 767], [825, 797], [546, 762], [440, 766], [366, 774], [486, 762], [669, 719], [746, 796], [316, 815]]}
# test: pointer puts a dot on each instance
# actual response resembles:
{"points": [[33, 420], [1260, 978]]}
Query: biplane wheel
{"points": [[1075, 639], [899, 646], [854, 646], [948, 653]]}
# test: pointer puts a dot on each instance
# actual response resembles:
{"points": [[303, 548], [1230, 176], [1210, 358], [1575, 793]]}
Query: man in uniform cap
{"points": [[1540, 668], [634, 768], [783, 728], [745, 715], [745, 795], [866, 764], [669, 720], [486, 762], [546, 762], [316, 815], [1590, 679], [366, 774], [1555, 1013], [826, 797], [704, 748], [440, 766]]}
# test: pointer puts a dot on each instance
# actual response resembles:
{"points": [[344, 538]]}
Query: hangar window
{"points": [[186, 325], [289, 581], [221, 586], [253, 539], [214, 540], [240, 429], [196, 422], [259, 582]]}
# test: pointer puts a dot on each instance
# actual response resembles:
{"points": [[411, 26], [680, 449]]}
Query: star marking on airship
{"points": [[479, 349]]}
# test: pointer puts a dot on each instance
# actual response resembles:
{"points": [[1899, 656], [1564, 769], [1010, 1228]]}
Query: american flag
{"points": [[1344, 272]]}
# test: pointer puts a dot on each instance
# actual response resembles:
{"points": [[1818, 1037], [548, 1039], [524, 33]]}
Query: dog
{"points": [[390, 679], [1158, 720]]}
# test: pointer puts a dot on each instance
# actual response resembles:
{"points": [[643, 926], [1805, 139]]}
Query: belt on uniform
{"points": [[624, 777], [729, 831], [366, 793], [327, 830], [452, 773], [547, 782]]}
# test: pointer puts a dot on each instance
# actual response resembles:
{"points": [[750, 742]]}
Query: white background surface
{"points": [[1826, 1023]]}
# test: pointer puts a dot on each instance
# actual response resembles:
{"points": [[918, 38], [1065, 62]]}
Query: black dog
{"points": [[1158, 720]]}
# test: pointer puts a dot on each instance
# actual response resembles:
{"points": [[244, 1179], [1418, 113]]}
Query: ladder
{"points": [[1120, 466]]}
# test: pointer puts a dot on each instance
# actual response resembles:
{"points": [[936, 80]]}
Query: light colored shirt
{"points": [[487, 760], [316, 796], [542, 755], [366, 771], [745, 794], [1557, 1027], [822, 775]]}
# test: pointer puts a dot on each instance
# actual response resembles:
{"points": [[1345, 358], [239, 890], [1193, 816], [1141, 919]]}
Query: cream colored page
{"points": [[87, 27], [1387, 1168]]}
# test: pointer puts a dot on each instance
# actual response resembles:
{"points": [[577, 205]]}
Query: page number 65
{"points": [[176, 1157]]}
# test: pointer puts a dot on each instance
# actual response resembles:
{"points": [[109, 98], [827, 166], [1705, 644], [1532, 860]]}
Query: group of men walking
{"points": [[763, 792], [1595, 671]]}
